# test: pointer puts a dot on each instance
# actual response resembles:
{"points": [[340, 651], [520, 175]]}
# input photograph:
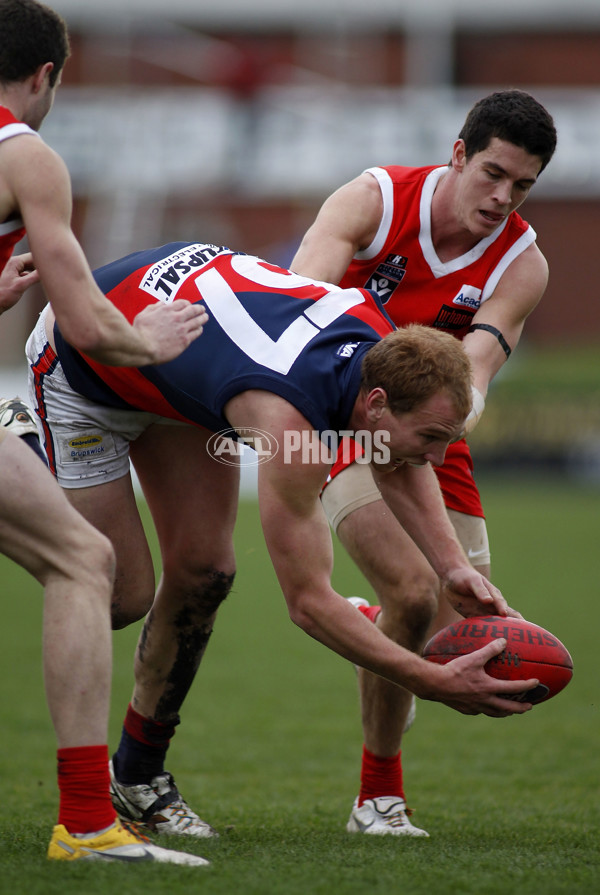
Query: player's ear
{"points": [[376, 404], [459, 155], [41, 75]]}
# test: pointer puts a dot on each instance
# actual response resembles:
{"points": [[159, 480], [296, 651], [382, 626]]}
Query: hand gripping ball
{"points": [[530, 651]]}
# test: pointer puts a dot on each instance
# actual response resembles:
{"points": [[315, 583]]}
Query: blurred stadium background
{"points": [[230, 122]]}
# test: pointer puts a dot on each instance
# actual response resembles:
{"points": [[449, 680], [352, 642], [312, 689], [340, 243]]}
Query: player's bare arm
{"points": [[347, 222], [298, 537], [299, 543], [414, 496], [517, 294], [41, 191]]}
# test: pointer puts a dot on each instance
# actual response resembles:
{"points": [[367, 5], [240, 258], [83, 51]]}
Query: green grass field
{"points": [[269, 747]]}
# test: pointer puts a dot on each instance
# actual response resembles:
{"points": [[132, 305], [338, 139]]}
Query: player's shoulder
{"points": [[525, 279], [532, 262], [27, 148], [33, 172], [403, 173]]}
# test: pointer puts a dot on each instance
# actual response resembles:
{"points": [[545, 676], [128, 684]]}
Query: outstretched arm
{"points": [[413, 494], [42, 193], [299, 543]]}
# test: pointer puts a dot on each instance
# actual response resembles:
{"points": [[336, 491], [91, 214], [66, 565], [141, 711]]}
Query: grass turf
{"points": [[269, 746]]}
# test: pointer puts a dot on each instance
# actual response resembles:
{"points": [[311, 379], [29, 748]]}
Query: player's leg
{"points": [[406, 588], [102, 492], [193, 501], [141, 790], [112, 508], [472, 533], [75, 564]]}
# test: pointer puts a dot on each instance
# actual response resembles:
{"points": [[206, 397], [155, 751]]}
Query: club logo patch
{"points": [[387, 276]]}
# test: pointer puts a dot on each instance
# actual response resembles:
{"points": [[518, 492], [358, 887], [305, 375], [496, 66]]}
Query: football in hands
{"points": [[530, 652]]}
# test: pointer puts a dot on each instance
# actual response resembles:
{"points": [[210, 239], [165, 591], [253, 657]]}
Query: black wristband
{"points": [[495, 332]]}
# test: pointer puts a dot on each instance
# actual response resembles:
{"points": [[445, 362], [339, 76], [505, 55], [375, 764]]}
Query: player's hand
{"points": [[168, 329], [18, 275], [463, 685], [470, 593]]}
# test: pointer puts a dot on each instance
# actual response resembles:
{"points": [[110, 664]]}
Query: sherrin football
{"points": [[530, 651]]}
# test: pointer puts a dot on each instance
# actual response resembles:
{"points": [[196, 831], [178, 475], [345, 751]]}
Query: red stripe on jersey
{"points": [[44, 365], [7, 243], [7, 117], [11, 236]]}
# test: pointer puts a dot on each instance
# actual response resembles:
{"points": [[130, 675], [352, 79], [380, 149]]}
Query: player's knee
{"points": [[133, 595], [97, 558], [214, 587], [410, 590], [124, 612], [410, 605], [87, 561], [420, 594], [201, 589]]}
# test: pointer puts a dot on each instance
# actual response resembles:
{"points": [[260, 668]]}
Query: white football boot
{"points": [[16, 416], [383, 816], [158, 807]]}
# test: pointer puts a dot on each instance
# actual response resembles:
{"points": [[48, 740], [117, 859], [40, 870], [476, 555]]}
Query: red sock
{"points": [[142, 749], [83, 781], [380, 776], [370, 611]]}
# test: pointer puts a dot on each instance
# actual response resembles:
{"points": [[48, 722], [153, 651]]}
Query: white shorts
{"points": [[86, 443], [355, 487]]}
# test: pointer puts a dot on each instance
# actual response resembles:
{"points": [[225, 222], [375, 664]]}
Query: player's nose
{"points": [[436, 455]]}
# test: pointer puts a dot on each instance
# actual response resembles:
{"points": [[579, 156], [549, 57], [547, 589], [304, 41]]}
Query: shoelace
{"points": [[399, 818], [134, 830]]}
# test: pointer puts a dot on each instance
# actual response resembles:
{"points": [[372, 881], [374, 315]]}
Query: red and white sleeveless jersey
{"points": [[12, 230], [415, 286]]}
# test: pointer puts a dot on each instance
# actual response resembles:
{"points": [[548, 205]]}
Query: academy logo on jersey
{"points": [[224, 449], [387, 276], [468, 297]]}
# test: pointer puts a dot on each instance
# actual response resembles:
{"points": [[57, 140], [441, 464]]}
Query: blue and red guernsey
{"points": [[269, 329]]}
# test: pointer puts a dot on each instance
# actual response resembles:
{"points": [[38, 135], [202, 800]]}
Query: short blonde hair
{"points": [[416, 362]]}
